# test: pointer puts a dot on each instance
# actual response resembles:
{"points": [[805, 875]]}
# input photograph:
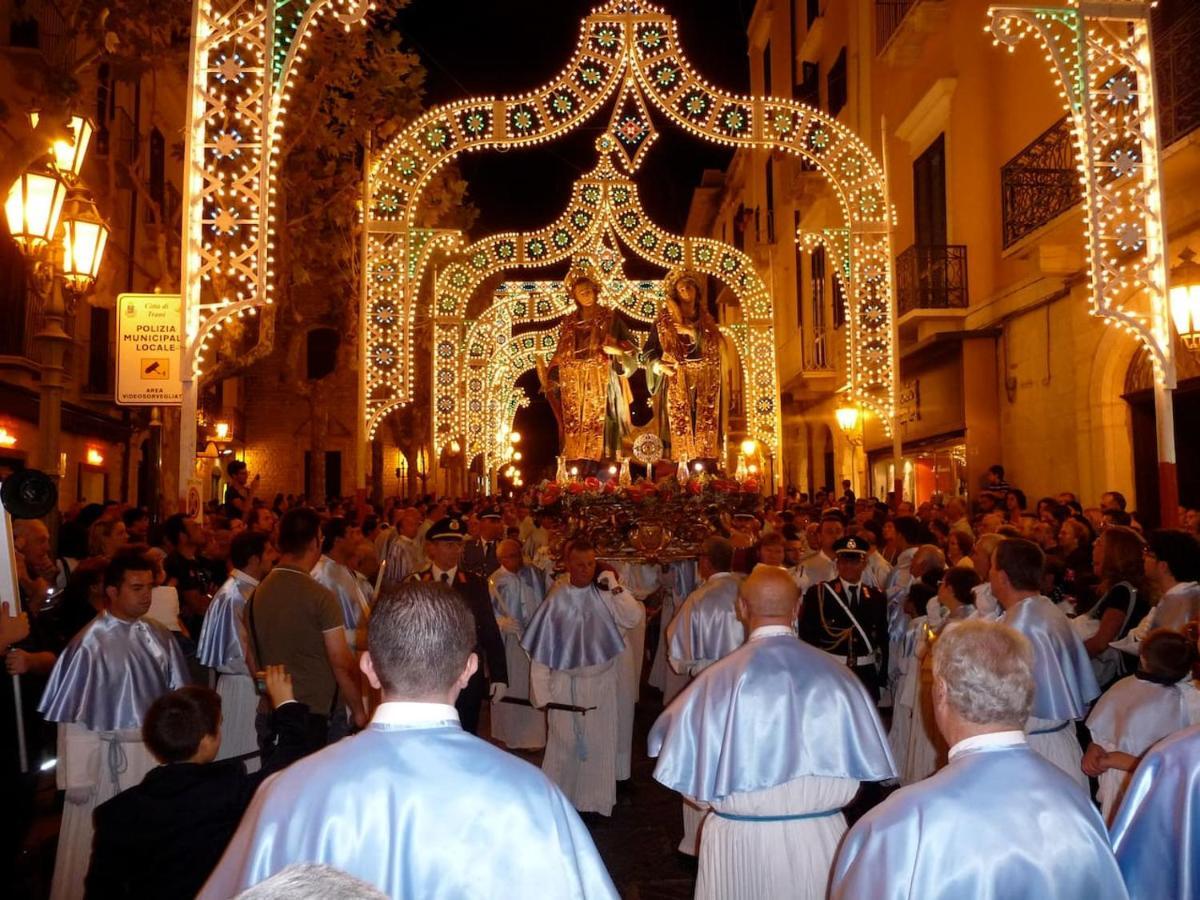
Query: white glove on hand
{"points": [[934, 612], [80, 795], [499, 689], [608, 581]]}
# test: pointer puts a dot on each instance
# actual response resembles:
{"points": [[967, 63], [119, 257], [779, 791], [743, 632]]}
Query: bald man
{"points": [[517, 591], [776, 738]]}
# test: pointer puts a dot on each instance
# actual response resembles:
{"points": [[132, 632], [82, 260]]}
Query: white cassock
{"points": [[1132, 716], [515, 598], [775, 738], [575, 646], [630, 617], [98, 693], [705, 630], [339, 579], [680, 581], [877, 571], [223, 646]]}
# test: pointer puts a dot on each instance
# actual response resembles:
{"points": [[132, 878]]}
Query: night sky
{"points": [[512, 46]]}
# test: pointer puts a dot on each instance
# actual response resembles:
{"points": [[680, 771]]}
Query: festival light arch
{"points": [[605, 213], [630, 51]]}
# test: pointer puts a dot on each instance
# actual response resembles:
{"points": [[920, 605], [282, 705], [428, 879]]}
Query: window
{"points": [[799, 275], [835, 86], [839, 303], [98, 351], [158, 176], [766, 70], [812, 11], [321, 352], [770, 201], [810, 85], [820, 355], [929, 195]]}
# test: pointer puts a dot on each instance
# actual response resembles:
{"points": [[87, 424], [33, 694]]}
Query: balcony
{"points": [[1176, 25], [931, 278], [901, 27], [1039, 183]]}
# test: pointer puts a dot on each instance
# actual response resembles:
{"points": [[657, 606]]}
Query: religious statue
{"points": [[587, 378], [683, 359]]}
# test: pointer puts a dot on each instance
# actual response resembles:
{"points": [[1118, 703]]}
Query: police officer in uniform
{"points": [[479, 553], [847, 619], [444, 547]]}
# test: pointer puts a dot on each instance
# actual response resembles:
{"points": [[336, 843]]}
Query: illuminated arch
{"points": [[628, 50]]}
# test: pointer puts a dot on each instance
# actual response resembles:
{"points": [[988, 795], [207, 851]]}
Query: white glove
{"points": [[934, 612], [499, 689], [608, 581], [80, 795], [985, 600]]}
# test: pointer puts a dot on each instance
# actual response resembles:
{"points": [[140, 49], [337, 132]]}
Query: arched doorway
{"points": [[1139, 394]]}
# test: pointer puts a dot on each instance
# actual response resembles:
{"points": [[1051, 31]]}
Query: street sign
{"points": [[149, 349]]}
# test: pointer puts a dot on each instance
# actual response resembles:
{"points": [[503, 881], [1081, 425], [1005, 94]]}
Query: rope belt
{"points": [[1052, 729], [793, 818]]}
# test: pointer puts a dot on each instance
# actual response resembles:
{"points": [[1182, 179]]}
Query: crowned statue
{"points": [[684, 356], [586, 380]]}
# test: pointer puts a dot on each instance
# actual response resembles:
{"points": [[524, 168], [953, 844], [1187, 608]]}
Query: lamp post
{"points": [[61, 269], [848, 421]]}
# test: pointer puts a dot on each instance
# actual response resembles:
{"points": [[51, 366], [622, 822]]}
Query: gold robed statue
{"points": [[586, 380], [684, 357]]}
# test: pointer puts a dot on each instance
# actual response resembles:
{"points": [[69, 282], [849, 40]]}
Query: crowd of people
{"points": [[849, 687]]}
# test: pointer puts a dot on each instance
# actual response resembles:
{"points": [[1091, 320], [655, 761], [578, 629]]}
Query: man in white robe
{"points": [[517, 591], [333, 571], [100, 688], [413, 804], [402, 554], [1065, 680], [575, 644], [705, 630], [776, 737], [627, 607], [1031, 832], [224, 645]]}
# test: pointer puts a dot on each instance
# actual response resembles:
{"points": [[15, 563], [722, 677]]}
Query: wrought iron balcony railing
{"points": [[1176, 27], [1039, 183], [888, 16], [931, 277]]}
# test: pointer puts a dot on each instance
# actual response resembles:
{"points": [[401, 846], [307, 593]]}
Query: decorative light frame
{"points": [[630, 48], [1101, 54], [244, 58]]}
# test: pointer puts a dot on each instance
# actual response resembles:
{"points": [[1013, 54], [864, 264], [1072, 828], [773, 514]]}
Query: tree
{"points": [[356, 89]]}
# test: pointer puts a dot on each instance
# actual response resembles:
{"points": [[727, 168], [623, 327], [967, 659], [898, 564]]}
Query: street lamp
{"points": [[33, 206], [84, 237], [1185, 300], [847, 418], [68, 154]]}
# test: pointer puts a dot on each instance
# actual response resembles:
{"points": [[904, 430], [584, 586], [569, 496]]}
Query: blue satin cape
{"points": [[572, 629], [707, 626], [518, 594], [995, 823], [220, 644], [421, 812], [1066, 683], [111, 672], [772, 711], [1156, 831]]}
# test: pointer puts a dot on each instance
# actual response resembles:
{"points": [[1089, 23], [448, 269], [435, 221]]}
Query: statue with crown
{"points": [[685, 359], [587, 378]]}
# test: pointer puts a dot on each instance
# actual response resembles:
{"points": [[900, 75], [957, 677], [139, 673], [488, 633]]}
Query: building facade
{"points": [[1000, 359]]}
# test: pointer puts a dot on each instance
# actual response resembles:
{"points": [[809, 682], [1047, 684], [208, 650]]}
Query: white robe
{"points": [[1060, 747], [239, 709], [630, 617], [517, 727], [581, 750], [755, 860], [108, 763]]}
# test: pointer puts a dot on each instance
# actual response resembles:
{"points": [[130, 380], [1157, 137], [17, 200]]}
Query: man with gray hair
{"points": [[415, 805], [1032, 833]]}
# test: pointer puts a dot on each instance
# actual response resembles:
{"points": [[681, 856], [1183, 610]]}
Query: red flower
{"points": [[575, 487], [592, 483]]}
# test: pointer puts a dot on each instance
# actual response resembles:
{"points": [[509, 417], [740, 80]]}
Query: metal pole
{"points": [[1168, 482]]}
